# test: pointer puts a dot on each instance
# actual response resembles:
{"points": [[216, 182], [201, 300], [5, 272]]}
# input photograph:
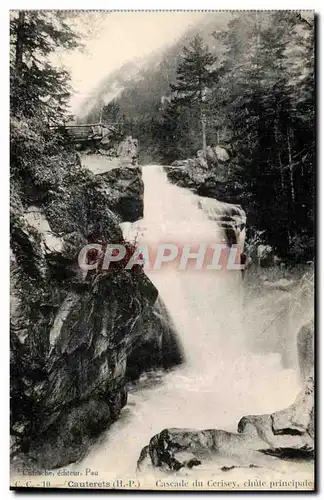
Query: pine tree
{"points": [[39, 94], [111, 112], [268, 100], [195, 76], [36, 85]]}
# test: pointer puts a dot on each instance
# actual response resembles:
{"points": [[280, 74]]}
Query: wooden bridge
{"points": [[89, 131]]}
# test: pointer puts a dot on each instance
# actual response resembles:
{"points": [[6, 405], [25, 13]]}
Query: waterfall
{"points": [[203, 304], [221, 380]]}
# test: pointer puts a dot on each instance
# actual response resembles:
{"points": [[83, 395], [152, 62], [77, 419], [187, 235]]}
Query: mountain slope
{"points": [[138, 86]]}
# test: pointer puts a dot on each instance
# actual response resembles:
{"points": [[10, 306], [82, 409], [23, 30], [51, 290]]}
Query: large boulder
{"points": [[179, 174], [210, 182], [216, 155], [211, 156], [175, 449], [220, 189], [188, 173], [221, 154]]}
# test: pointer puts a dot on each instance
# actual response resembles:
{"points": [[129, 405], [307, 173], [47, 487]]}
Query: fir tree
{"points": [[269, 109], [195, 76], [39, 94]]}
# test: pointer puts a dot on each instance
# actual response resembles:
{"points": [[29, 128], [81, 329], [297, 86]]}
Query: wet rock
{"points": [[156, 344], [231, 218], [179, 163], [284, 434], [174, 449], [221, 212]]}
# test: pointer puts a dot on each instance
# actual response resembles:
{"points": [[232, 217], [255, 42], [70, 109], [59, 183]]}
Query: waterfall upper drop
{"points": [[205, 305]]}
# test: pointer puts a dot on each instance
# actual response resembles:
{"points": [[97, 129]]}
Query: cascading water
{"points": [[220, 380]]}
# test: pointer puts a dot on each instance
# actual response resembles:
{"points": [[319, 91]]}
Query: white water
{"points": [[221, 381]]}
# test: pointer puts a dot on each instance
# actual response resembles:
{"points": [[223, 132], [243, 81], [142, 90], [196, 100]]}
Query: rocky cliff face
{"points": [[77, 336]]}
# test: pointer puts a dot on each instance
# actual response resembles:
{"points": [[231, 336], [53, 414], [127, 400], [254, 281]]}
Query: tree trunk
{"points": [[281, 175], [202, 117], [203, 129], [292, 188], [291, 172], [20, 42], [282, 181]]}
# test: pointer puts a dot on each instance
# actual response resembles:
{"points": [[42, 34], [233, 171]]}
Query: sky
{"points": [[112, 38]]}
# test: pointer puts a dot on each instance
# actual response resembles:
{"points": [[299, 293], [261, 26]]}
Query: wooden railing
{"points": [[89, 131]]}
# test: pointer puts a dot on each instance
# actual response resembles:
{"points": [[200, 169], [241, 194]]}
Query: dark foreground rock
{"points": [[285, 434], [74, 333]]}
